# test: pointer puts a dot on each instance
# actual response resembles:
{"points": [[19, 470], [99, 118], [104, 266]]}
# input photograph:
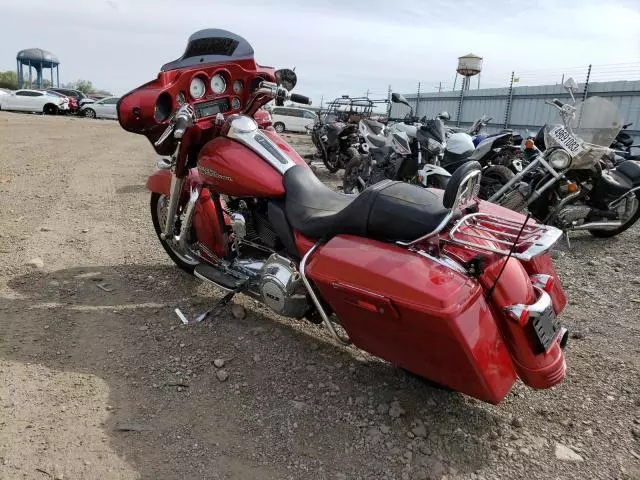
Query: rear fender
{"points": [[535, 368]]}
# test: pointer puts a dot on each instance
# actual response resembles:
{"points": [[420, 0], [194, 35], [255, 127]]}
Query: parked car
{"points": [[105, 108], [40, 101], [80, 97], [292, 119], [73, 103]]}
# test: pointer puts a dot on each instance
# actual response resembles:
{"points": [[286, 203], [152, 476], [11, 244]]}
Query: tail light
{"points": [[545, 282]]}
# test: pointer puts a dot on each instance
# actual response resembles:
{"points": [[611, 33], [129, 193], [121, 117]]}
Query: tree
{"points": [[9, 79], [85, 86]]}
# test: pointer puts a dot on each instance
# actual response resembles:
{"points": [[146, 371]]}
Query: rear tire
{"points": [[50, 109], [332, 164], [278, 127], [179, 260], [352, 170], [628, 224], [493, 179]]}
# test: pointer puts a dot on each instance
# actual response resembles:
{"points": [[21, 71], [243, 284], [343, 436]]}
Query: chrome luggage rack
{"points": [[534, 240]]}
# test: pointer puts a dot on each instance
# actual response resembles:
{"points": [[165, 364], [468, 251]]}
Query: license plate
{"points": [[564, 138], [546, 326]]}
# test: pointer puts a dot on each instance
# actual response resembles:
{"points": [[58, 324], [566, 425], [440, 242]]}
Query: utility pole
{"points": [[367, 93], [321, 101], [389, 102], [418, 99]]}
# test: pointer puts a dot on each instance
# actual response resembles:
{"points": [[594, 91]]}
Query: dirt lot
{"points": [[98, 380]]}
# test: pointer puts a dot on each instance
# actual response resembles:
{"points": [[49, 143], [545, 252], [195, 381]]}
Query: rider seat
{"points": [[388, 210]]}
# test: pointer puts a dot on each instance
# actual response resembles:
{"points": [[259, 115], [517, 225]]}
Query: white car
{"points": [[34, 101], [105, 108], [292, 119]]}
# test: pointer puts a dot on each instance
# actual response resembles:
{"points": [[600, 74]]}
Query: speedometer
{"points": [[218, 85], [197, 88]]}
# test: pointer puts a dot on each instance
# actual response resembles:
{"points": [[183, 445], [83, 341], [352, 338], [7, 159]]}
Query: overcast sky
{"points": [[337, 46]]}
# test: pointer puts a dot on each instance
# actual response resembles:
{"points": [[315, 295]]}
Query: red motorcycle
{"points": [[446, 286]]}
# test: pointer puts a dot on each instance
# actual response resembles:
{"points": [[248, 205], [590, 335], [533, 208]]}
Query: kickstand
{"points": [[566, 236], [203, 316]]}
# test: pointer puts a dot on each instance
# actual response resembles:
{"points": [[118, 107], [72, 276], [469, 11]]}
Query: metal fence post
{"points": [[389, 101], [417, 100], [460, 100], [586, 84], [507, 112]]}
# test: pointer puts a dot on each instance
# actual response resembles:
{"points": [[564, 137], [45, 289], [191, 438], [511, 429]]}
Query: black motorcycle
{"points": [[622, 144], [337, 143]]}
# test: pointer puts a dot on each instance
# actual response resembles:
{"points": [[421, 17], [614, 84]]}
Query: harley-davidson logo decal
{"points": [[212, 173]]}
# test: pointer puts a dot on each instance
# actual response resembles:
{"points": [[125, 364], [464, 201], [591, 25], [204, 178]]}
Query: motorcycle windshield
{"points": [[597, 121]]}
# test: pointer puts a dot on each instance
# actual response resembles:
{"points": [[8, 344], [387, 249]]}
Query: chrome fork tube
{"points": [[515, 179], [174, 198], [188, 216]]}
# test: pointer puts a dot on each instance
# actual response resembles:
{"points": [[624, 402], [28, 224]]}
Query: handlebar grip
{"points": [[181, 124], [300, 99], [557, 103]]}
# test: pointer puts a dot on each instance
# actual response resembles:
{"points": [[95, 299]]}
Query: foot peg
{"points": [[216, 276]]}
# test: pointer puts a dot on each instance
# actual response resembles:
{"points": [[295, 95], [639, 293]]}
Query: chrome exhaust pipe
{"points": [[563, 338], [597, 226]]}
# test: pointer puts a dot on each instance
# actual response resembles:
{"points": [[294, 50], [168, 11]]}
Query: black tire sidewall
{"points": [[155, 197], [495, 172], [279, 127]]}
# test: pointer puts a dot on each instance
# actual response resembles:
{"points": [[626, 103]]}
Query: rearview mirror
{"points": [[286, 78], [444, 115], [571, 85], [397, 98]]}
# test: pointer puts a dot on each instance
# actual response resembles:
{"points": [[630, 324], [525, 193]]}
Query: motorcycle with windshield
{"points": [[453, 289], [570, 181]]}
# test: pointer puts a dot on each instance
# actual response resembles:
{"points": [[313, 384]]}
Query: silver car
{"points": [[105, 108]]}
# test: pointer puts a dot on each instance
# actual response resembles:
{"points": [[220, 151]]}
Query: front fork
{"points": [[174, 199]]}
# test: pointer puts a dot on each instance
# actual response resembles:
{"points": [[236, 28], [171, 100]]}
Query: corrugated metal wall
{"points": [[528, 110]]}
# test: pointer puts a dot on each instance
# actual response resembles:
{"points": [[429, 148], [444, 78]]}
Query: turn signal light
{"points": [[528, 144], [519, 313], [545, 282], [572, 187]]}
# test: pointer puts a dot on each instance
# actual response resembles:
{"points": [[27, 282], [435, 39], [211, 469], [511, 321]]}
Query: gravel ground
{"points": [[98, 379]]}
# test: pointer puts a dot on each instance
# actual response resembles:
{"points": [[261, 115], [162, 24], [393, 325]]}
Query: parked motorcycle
{"points": [[408, 151], [622, 145], [570, 183], [453, 289], [337, 143]]}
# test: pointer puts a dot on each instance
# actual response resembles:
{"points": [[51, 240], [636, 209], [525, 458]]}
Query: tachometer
{"points": [[218, 85], [237, 86], [197, 88]]}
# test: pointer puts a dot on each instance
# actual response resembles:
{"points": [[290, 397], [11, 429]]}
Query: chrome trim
{"points": [[186, 222], [174, 198], [316, 302], [535, 309], [537, 238], [245, 130], [466, 190], [597, 225], [164, 163], [444, 261]]}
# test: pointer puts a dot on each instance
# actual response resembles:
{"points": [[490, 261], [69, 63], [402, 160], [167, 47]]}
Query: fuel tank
{"points": [[415, 313], [246, 162]]}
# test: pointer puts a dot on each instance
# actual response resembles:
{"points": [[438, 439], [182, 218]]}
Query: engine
{"points": [[572, 215], [282, 288]]}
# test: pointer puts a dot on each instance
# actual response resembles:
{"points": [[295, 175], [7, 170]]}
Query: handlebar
{"points": [[294, 97], [557, 103]]}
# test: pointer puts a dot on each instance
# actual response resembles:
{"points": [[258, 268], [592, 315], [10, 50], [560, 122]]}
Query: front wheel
{"points": [[90, 113], [331, 161], [633, 218], [278, 127], [493, 179], [185, 259]]}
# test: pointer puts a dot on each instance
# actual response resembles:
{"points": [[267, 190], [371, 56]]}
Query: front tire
{"points": [[625, 226], [184, 260], [50, 109], [90, 113], [493, 179], [278, 127]]}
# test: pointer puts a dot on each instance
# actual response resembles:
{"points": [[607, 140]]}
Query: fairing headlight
{"points": [[559, 159]]}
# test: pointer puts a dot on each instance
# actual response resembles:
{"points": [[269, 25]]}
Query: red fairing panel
{"points": [[414, 313], [233, 169], [535, 368]]}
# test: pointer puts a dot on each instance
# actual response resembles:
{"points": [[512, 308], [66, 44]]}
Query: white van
{"points": [[292, 119]]}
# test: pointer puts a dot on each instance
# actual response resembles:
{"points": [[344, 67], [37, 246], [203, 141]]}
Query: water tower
{"points": [[39, 60], [469, 66]]}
